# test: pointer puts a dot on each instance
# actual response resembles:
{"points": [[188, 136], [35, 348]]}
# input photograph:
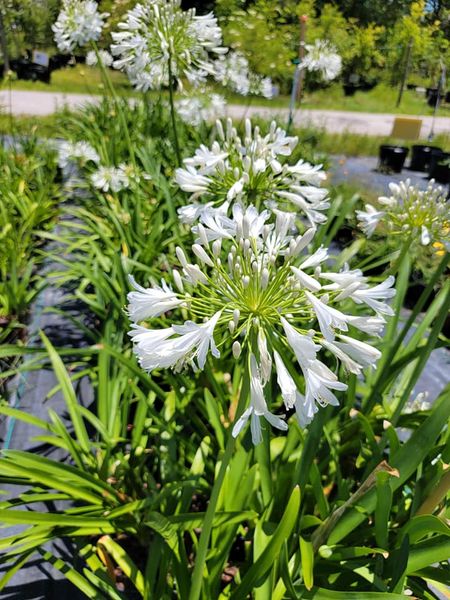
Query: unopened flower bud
{"points": [[217, 247], [236, 316], [178, 281], [202, 235], [246, 281], [231, 326], [236, 349], [220, 131], [181, 256], [264, 278], [201, 254]]}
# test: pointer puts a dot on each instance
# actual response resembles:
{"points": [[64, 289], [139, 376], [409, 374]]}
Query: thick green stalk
{"points": [[106, 78], [403, 252], [197, 575], [391, 352], [172, 114]]}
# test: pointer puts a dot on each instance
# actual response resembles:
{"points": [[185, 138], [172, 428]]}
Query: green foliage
{"points": [[157, 497], [28, 205]]}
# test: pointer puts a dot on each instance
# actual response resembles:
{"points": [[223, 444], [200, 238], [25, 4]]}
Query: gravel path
{"points": [[45, 103]]}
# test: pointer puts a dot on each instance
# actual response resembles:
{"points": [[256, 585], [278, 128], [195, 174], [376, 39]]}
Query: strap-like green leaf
{"points": [[259, 569]]}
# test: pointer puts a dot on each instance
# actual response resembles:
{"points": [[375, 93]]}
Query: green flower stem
{"points": [[262, 453], [172, 114], [107, 79], [197, 575], [401, 257]]}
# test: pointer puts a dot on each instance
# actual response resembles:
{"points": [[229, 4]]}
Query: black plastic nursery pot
{"points": [[421, 157], [392, 158], [440, 167], [349, 89]]}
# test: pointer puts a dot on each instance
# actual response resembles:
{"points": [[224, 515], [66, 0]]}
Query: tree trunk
{"points": [[4, 45]]}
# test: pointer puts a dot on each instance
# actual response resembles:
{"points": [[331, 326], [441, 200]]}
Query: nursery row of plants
{"points": [[254, 430], [344, 505]]}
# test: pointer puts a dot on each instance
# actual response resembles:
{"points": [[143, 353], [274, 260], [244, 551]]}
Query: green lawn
{"points": [[382, 99], [79, 79]]}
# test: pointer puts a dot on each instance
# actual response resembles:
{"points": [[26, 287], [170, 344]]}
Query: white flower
{"points": [[105, 58], [285, 382], [78, 23], [178, 345], [157, 36], [233, 71], [258, 408], [323, 58], [195, 110], [354, 354], [150, 302], [254, 284], [329, 318], [249, 170], [81, 151], [373, 296], [110, 179], [369, 219], [352, 284], [410, 213]]}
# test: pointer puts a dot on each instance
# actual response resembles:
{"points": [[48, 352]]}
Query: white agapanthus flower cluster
{"points": [[78, 23], [423, 215], [232, 70], [105, 58], [201, 108], [80, 152], [112, 179], [254, 289], [250, 171], [321, 57], [157, 36]]}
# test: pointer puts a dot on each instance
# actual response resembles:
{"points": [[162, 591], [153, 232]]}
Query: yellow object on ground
{"points": [[406, 128]]}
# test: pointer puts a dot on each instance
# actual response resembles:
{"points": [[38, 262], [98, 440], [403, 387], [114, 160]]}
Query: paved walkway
{"points": [[45, 103]]}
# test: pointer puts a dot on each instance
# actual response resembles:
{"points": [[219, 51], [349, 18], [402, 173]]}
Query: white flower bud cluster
{"points": [[255, 289], [232, 70], [82, 152], [249, 171], [423, 215], [201, 108], [157, 36], [105, 57], [111, 179], [78, 23], [321, 57]]}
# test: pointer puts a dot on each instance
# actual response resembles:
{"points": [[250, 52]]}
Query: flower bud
{"points": [[217, 247], [202, 235], [178, 281], [236, 349], [201, 254]]}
